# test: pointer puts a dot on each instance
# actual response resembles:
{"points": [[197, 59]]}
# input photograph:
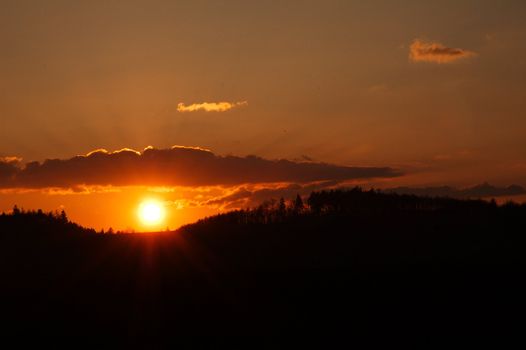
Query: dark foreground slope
{"points": [[349, 263]]}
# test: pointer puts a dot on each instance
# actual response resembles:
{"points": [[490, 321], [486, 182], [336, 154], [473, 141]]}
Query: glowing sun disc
{"points": [[151, 212]]}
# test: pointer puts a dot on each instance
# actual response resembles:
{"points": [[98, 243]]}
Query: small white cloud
{"points": [[210, 106]]}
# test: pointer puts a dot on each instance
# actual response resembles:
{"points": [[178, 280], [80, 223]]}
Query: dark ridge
{"points": [[484, 190], [345, 262]]}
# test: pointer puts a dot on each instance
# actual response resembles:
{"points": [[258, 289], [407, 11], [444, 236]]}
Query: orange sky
{"points": [[435, 90]]}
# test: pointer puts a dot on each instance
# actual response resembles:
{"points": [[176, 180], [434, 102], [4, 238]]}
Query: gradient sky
{"points": [[435, 89]]}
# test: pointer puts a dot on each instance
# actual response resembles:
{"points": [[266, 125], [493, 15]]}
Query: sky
{"points": [[376, 93]]}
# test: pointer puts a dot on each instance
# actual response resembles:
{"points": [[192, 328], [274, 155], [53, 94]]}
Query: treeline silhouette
{"points": [[344, 261], [357, 202], [24, 223], [337, 228]]}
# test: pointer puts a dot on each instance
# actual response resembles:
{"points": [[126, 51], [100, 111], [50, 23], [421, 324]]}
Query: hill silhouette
{"points": [[337, 262], [484, 190]]}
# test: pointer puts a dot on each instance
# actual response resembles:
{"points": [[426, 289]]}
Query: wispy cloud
{"points": [[210, 106], [10, 159], [243, 196], [247, 196], [434, 52]]}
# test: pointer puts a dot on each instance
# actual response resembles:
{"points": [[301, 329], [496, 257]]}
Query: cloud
{"points": [[250, 196], [434, 52], [75, 190], [177, 166], [210, 106], [9, 166], [10, 159], [242, 196]]}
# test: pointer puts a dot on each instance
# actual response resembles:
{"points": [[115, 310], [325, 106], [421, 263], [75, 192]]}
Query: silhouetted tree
{"points": [[63, 216], [282, 207], [298, 204]]}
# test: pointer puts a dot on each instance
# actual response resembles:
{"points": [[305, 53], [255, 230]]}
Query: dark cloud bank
{"points": [[177, 166]]}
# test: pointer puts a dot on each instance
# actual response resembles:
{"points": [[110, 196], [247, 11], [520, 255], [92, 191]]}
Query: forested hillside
{"points": [[341, 262]]}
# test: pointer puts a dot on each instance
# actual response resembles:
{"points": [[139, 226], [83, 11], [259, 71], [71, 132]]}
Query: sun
{"points": [[151, 212]]}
